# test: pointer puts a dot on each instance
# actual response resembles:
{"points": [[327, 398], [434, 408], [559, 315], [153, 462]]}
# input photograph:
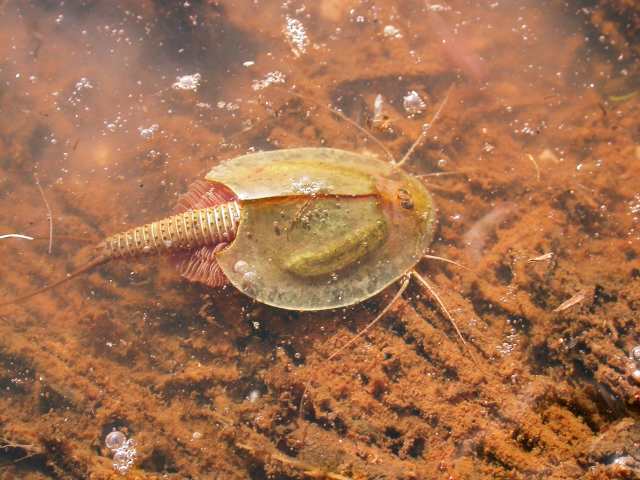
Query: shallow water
{"points": [[116, 108]]}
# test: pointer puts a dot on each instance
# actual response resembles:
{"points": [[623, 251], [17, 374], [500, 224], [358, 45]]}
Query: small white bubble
{"points": [[439, 8], [196, 435], [253, 395], [83, 84], [115, 440], [147, 133], [635, 353], [392, 32], [120, 457], [487, 147], [625, 461], [241, 267], [249, 278]]}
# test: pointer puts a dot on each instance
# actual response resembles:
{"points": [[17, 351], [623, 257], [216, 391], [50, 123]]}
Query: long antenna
{"points": [[89, 266], [443, 308], [383, 312], [342, 116]]}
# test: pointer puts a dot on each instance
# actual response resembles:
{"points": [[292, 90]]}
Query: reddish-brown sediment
{"points": [[536, 394]]}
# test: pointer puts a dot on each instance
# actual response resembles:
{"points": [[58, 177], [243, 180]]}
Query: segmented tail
{"points": [[189, 230], [185, 231]]}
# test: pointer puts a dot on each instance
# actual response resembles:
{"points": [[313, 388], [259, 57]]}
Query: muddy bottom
{"points": [[115, 109]]}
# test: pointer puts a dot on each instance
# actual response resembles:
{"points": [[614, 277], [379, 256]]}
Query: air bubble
{"points": [[148, 132], [241, 267], [413, 103], [392, 32], [272, 77], [253, 395], [187, 82], [249, 278], [115, 440], [296, 35], [124, 457], [635, 353], [120, 457]]}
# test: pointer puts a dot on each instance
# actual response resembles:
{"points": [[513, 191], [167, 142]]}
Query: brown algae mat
{"points": [[118, 108]]}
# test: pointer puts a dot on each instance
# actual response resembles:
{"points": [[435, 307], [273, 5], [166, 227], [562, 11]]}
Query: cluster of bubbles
{"points": [[124, 451], [272, 77], [249, 277], [76, 95], [296, 35], [413, 103], [149, 132], [391, 31], [635, 356], [187, 82]]}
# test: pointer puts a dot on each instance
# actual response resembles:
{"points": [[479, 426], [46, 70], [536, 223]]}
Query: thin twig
{"points": [[342, 116], [535, 164], [15, 235], [440, 174], [541, 258], [21, 459], [577, 298], [29, 451], [49, 214], [307, 470]]}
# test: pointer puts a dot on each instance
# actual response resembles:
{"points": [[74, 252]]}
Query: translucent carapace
{"points": [[322, 228]]}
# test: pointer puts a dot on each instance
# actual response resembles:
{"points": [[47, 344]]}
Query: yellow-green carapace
{"points": [[321, 228]]}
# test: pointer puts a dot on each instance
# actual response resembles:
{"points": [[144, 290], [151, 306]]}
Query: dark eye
{"points": [[405, 199]]}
